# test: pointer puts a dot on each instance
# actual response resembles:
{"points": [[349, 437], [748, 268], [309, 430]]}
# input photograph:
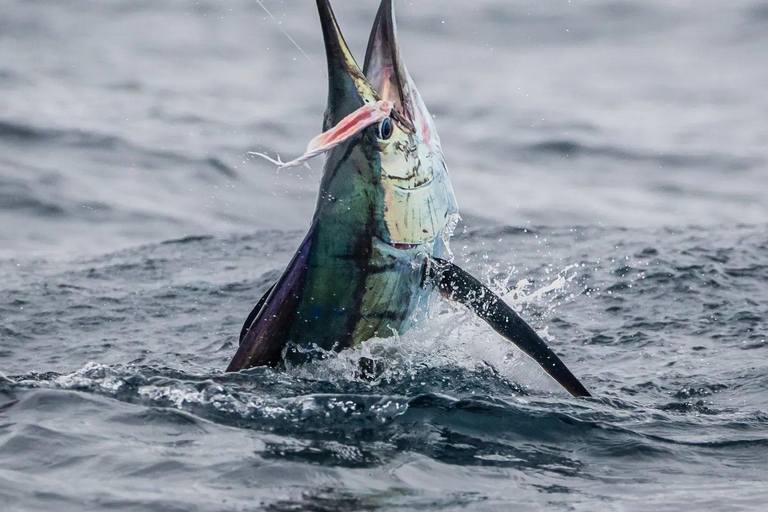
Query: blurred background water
{"points": [[610, 159]]}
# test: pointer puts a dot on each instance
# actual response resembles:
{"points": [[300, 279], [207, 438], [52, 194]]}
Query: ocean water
{"points": [[610, 159]]}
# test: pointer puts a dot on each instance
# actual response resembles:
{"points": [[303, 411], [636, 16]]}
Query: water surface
{"points": [[610, 160]]}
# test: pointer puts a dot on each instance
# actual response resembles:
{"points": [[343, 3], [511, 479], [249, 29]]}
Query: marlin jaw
{"points": [[371, 258]]}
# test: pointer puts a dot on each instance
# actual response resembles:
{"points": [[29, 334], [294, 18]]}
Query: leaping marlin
{"points": [[374, 252]]}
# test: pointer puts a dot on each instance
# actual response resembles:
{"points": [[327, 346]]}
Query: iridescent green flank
{"points": [[357, 286]]}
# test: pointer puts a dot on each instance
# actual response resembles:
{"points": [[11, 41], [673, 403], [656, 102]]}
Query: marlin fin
{"points": [[266, 332], [456, 284], [252, 316]]}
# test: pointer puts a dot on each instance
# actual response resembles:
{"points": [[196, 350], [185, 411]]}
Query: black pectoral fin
{"points": [[254, 313], [458, 285]]}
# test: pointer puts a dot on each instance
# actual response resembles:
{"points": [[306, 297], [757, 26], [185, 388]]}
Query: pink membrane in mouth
{"points": [[367, 115], [403, 247]]}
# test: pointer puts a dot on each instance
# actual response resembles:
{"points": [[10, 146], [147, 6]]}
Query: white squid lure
{"points": [[354, 123]]}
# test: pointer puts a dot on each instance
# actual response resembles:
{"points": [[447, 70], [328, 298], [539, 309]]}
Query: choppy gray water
{"points": [[611, 163]]}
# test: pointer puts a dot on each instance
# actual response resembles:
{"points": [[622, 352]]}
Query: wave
{"points": [[561, 148], [379, 420], [21, 133]]}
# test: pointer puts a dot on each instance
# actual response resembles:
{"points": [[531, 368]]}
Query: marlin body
{"points": [[372, 258]]}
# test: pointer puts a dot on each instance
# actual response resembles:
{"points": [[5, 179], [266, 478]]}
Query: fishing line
{"points": [[280, 26]]}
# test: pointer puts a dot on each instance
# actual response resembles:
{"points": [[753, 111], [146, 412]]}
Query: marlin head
{"points": [[406, 180]]}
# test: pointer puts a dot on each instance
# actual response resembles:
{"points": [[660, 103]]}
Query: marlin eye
{"points": [[385, 129]]}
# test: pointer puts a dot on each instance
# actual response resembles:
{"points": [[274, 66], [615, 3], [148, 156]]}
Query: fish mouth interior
{"points": [[400, 246], [403, 247]]}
